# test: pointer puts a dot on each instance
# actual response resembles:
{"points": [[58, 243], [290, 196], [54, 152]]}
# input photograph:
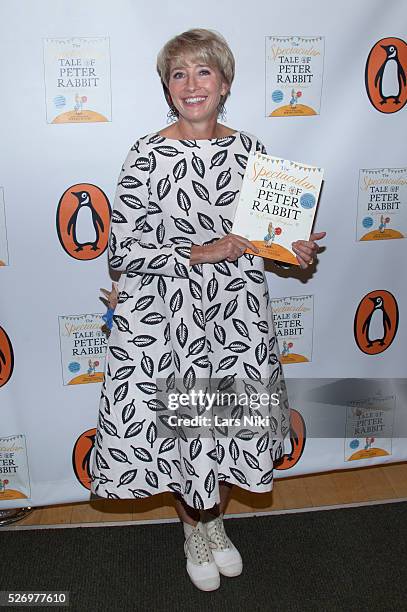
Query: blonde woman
{"points": [[191, 305]]}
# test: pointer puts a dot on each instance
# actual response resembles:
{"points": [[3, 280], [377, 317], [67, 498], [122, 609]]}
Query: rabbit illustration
{"points": [[92, 367], [294, 98], [269, 237], [383, 223]]}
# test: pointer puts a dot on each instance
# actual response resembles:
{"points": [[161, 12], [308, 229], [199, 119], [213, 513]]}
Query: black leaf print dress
{"points": [[177, 324]]}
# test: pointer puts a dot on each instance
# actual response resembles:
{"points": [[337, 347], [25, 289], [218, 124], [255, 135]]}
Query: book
{"points": [[277, 205]]}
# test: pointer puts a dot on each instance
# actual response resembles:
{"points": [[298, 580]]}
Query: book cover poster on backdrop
{"points": [[77, 80], [83, 348], [382, 204], [369, 427], [294, 321], [294, 75], [3, 231], [14, 473]]}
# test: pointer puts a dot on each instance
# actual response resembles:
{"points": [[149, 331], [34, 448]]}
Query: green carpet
{"points": [[352, 559]]}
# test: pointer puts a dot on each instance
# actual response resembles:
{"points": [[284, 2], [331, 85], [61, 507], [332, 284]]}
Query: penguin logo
{"points": [[376, 322], [81, 457], [6, 358], [297, 438], [390, 78], [385, 75], [83, 219]]}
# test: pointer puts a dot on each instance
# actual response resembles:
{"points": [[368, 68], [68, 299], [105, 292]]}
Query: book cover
{"points": [[277, 205], [382, 204], [294, 75], [14, 472], [77, 79], [83, 348], [294, 323], [369, 427]]}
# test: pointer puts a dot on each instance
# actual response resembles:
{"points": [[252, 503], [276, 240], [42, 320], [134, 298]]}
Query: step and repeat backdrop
{"points": [[79, 87]]}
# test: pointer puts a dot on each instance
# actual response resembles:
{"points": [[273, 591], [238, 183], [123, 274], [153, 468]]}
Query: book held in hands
{"points": [[277, 205]]}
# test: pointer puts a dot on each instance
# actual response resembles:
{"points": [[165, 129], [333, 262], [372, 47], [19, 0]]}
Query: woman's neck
{"points": [[182, 130]]}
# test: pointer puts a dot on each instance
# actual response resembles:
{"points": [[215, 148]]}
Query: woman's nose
{"points": [[191, 82]]}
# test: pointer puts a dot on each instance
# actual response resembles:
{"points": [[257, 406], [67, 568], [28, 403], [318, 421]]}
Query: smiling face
{"points": [[196, 90]]}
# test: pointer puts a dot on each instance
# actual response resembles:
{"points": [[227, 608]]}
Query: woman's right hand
{"points": [[227, 248]]}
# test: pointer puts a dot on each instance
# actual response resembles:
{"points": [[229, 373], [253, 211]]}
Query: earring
{"points": [[222, 109], [172, 115], [222, 112]]}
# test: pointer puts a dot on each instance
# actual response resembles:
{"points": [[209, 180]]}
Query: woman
{"points": [[192, 305]]}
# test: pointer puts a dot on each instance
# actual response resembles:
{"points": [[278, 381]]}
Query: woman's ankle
{"points": [[189, 521], [210, 513]]}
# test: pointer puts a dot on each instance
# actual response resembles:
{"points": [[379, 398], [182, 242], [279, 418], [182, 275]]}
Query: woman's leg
{"points": [[190, 515], [225, 553], [225, 490], [201, 566], [186, 513]]}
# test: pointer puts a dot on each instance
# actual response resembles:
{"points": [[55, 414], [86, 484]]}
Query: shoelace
{"points": [[217, 534], [201, 543]]}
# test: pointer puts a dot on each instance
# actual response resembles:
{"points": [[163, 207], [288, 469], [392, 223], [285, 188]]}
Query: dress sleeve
{"points": [[259, 147], [127, 251]]}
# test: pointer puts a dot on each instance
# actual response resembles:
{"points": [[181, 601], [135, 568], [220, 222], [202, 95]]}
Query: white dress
{"points": [[178, 328]]}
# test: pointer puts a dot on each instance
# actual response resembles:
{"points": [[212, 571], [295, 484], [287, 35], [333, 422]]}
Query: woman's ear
{"points": [[167, 95], [224, 89]]}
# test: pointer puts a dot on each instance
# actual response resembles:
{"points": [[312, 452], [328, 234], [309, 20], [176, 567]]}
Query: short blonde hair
{"points": [[206, 46]]}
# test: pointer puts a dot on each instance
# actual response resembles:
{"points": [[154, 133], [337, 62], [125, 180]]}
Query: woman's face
{"points": [[195, 90]]}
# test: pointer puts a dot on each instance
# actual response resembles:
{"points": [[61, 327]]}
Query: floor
{"points": [[311, 492]]}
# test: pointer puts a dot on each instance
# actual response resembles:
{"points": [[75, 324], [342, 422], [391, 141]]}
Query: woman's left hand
{"points": [[111, 296], [307, 249]]}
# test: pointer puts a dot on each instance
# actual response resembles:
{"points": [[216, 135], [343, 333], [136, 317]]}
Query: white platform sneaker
{"points": [[201, 566], [226, 555]]}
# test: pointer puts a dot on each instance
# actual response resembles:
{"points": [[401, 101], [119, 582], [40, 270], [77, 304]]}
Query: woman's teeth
{"points": [[194, 100]]}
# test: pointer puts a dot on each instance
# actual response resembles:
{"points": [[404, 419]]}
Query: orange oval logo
{"points": [[83, 219], [297, 439], [81, 456], [376, 322], [386, 75], [6, 358]]}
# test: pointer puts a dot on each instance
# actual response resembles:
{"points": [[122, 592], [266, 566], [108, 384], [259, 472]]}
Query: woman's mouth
{"points": [[194, 100]]}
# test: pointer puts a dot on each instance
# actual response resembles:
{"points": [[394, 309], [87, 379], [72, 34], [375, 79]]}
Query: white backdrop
{"points": [[39, 161]]}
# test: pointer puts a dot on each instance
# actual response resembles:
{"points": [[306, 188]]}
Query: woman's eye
{"points": [[204, 71], [177, 75]]}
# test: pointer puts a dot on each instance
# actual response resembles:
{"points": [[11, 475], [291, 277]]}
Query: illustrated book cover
{"points": [[277, 205]]}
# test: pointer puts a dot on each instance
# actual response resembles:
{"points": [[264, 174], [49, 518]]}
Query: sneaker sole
{"points": [[201, 588], [231, 573]]}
